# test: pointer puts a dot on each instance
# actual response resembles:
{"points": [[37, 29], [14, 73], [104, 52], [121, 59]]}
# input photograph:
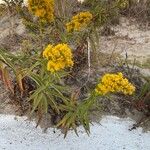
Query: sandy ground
{"points": [[130, 39], [112, 133]]}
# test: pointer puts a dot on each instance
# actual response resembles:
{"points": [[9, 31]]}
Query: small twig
{"points": [[89, 59]]}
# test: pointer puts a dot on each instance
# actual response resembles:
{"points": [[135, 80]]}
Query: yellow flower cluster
{"points": [[112, 83], [79, 21], [44, 9], [59, 57]]}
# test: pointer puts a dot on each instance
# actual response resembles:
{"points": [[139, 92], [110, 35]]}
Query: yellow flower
{"points": [[44, 9], [59, 57], [79, 21], [47, 51], [112, 83]]}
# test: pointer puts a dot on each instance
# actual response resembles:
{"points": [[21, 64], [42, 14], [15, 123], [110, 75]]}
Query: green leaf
{"points": [[52, 102], [4, 58], [63, 121], [28, 72], [37, 92], [45, 104], [36, 78], [36, 102]]}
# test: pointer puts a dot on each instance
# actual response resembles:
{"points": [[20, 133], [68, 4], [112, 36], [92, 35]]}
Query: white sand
{"points": [[112, 134]]}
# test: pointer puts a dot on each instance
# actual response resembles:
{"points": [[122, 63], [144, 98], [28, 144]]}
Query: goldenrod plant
{"points": [[49, 64], [79, 112], [49, 89]]}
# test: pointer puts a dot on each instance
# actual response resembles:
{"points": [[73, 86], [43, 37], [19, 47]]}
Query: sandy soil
{"points": [[110, 134], [132, 40]]}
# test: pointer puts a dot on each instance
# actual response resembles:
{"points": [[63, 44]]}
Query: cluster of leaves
{"points": [[106, 12]]}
